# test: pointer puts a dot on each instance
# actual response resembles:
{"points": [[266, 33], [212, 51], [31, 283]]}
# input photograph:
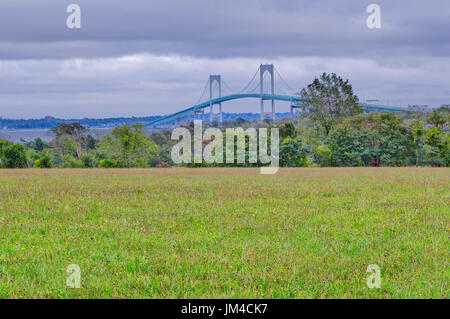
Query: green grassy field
{"points": [[224, 233]]}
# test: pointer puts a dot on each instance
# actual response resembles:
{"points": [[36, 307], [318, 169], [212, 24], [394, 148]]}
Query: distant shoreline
{"points": [[106, 123], [17, 135]]}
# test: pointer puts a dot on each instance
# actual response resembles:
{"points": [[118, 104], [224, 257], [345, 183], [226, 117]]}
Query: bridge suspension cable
{"points": [[248, 84], [285, 83], [255, 89], [228, 87], [204, 91]]}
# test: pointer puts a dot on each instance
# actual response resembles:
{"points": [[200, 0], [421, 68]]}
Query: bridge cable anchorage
{"points": [[285, 83], [248, 84]]}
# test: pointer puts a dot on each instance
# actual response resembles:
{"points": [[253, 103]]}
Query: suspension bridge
{"points": [[254, 89]]}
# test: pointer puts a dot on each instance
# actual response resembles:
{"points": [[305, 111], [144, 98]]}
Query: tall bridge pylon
{"points": [[215, 79], [263, 68]]}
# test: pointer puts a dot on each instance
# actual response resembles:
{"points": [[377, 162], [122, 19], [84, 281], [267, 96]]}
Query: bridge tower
{"points": [[263, 68], [212, 79]]}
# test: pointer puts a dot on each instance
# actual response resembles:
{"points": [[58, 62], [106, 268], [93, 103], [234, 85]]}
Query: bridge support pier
{"points": [[263, 68], [201, 113], [212, 79], [293, 106]]}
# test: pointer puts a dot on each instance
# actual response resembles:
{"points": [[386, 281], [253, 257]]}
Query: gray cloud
{"points": [[151, 57], [223, 28]]}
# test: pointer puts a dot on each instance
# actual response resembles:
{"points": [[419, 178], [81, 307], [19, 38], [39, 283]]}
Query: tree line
{"points": [[331, 130]]}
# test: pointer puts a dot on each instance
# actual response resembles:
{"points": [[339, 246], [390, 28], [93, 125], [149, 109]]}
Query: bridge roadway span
{"points": [[286, 98]]}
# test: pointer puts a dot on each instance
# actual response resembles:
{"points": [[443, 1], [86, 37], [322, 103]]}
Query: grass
{"points": [[224, 233]]}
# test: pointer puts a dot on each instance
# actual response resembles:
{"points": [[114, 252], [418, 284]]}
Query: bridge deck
{"points": [[287, 98]]}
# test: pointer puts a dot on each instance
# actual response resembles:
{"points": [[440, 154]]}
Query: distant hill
{"points": [[49, 121]]}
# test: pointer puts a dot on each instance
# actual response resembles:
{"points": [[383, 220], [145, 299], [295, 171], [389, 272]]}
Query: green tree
{"points": [[438, 119], [38, 145], [32, 156], [91, 143], [75, 129], [15, 156], [418, 130], [288, 130], [433, 137], [165, 144], [125, 136], [373, 140], [292, 153], [128, 145], [88, 160], [239, 121], [71, 139], [346, 147], [4, 144], [45, 161], [437, 147], [323, 155], [330, 99]]}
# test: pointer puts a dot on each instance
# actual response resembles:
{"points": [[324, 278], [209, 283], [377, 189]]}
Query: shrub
{"points": [[163, 165], [88, 160], [107, 163], [324, 155], [71, 162], [44, 162]]}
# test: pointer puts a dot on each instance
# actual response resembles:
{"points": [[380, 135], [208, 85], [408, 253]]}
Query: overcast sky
{"points": [[150, 57]]}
